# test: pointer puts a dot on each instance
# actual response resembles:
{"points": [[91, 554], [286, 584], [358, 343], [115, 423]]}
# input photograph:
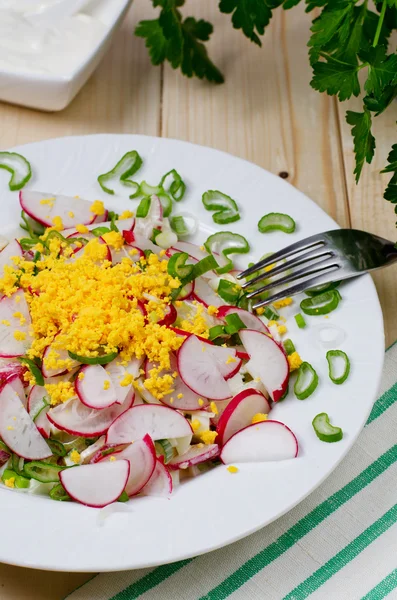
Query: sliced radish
{"points": [[205, 294], [42, 423], [16, 383], [239, 412], [142, 458], [261, 442], [250, 321], [17, 430], [101, 218], [200, 371], [88, 454], [221, 406], [79, 252], [9, 345], [129, 251], [160, 422], [226, 359], [190, 261], [169, 317], [191, 249], [117, 373], [267, 361], [96, 485], [160, 483], [92, 387], [60, 355], [11, 373], [187, 291], [144, 226], [56, 206], [123, 224], [194, 456], [188, 400], [12, 249], [75, 418]]}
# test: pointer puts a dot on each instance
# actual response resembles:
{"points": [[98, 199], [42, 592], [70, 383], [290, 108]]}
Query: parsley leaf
{"points": [[252, 16], [382, 69], [179, 41], [336, 77], [364, 141], [391, 190]]}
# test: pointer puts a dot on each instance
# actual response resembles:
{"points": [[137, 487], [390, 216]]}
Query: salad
{"points": [[131, 360]]}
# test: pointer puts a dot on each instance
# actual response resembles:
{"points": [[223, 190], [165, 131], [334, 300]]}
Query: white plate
{"points": [[217, 508]]}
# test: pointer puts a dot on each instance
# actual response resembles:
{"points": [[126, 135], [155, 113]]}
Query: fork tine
{"points": [[317, 268], [296, 262], [307, 244]]}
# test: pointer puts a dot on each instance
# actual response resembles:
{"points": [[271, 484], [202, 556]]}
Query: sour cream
{"points": [[31, 47]]}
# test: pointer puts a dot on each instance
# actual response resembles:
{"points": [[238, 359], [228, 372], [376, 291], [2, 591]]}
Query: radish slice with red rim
{"points": [[94, 387], [9, 305], [261, 442], [160, 422], [96, 485], [239, 413], [60, 355], [194, 456], [160, 483], [267, 361], [123, 224], [117, 372], [17, 430], [56, 206], [250, 320], [205, 294]]}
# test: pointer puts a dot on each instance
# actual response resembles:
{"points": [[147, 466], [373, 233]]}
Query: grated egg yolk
{"points": [[282, 303], [75, 457], [97, 208], [208, 437], [294, 361], [10, 482], [232, 469], [214, 408], [258, 418], [82, 228]]}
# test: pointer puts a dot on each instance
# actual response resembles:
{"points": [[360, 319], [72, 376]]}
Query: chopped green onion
{"points": [[127, 166], [148, 190], [283, 397], [59, 493], [205, 264], [244, 303], [276, 221], [143, 208], [321, 304], [216, 332], [17, 464], [324, 430], [98, 231], [166, 203], [233, 324], [173, 184], [225, 243], [56, 447], [155, 233], [289, 346], [300, 321], [33, 368], [42, 471], [20, 482], [226, 207], [271, 313], [31, 226], [229, 291], [5, 448], [124, 497], [18, 166], [104, 359], [319, 289], [164, 448], [178, 225], [177, 266], [306, 382], [147, 253], [40, 406], [337, 359]]}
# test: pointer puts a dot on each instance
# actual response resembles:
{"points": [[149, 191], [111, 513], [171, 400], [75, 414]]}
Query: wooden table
{"points": [[266, 112]]}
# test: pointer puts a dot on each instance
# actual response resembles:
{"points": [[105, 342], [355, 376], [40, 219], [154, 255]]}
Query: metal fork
{"points": [[317, 260]]}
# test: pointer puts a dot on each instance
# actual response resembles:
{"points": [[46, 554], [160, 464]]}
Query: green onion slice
{"points": [[4, 448], [103, 359], [143, 208], [164, 448], [319, 289], [177, 266], [40, 406], [124, 497], [20, 481], [226, 243], [178, 224], [17, 464], [338, 366], [18, 166], [271, 313], [56, 447], [218, 331], [324, 430], [205, 264], [226, 208], [98, 231], [321, 304], [300, 321], [173, 184], [306, 382], [145, 189], [229, 291], [276, 221], [289, 346], [59, 493], [42, 471], [166, 203], [33, 368], [233, 324], [127, 166]]}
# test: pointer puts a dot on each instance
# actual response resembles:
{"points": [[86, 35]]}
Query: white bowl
{"points": [[55, 91]]}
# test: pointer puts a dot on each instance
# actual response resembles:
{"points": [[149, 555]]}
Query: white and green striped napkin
{"points": [[339, 543]]}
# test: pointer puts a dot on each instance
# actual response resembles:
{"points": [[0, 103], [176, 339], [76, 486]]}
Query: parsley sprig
{"points": [[347, 37]]}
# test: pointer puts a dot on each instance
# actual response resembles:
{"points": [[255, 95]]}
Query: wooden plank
{"points": [[368, 209], [266, 111], [123, 96]]}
